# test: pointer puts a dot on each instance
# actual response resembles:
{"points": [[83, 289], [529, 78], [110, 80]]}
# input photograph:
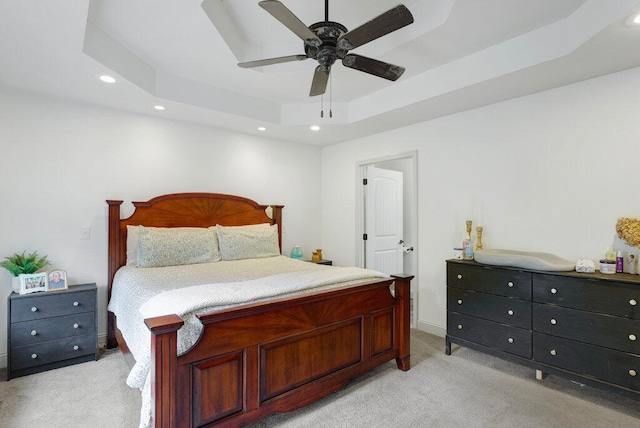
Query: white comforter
{"points": [[140, 293]]}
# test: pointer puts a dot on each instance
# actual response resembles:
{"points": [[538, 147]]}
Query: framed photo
{"points": [[33, 282], [57, 280]]}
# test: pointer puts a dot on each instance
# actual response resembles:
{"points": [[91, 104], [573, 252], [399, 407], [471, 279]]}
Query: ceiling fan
{"points": [[329, 41]]}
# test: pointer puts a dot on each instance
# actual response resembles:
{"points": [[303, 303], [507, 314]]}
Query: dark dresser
{"points": [[582, 326], [51, 330]]}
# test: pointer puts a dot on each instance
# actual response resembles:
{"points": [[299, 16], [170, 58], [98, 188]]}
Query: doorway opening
{"points": [[385, 242]]}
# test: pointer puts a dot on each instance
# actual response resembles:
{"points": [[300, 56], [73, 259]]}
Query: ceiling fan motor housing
{"points": [[327, 53]]}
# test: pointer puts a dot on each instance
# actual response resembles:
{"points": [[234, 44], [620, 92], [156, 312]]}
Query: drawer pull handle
{"points": [[510, 340], [633, 302], [34, 356], [554, 291], [459, 326], [34, 309], [553, 352], [510, 312], [553, 321], [33, 332], [510, 283], [75, 325], [75, 303], [632, 372], [76, 347], [632, 337], [459, 276], [459, 301]]}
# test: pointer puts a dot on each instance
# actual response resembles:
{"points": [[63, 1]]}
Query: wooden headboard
{"points": [[184, 210]]}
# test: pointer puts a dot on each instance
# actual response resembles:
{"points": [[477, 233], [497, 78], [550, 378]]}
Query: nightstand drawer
{"points": [[591, 294], [52, 351], [52, 304], [508, 283], [491, 334], [30, 332], [605, 364], [504, 310]]}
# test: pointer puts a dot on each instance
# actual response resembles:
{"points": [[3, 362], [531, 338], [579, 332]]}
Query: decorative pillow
{"points": [[176, 246], [132, 245], [248, 242]]}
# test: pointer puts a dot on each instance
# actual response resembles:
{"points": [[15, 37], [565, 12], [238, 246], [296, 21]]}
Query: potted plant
{"points": [[23, 264]]}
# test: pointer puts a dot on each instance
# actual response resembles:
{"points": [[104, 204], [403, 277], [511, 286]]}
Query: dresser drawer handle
{"points": [[554, 291], [76, 347], [510, 340], [75, 325], [459, 301], [510, 283], [632, 302], [33, 332], [553, 352], [510, 312], [632, 372], [632, 337], [34, 356], [553, 321], [75, 303], [459, 276], [34, 309], [459, 326]]}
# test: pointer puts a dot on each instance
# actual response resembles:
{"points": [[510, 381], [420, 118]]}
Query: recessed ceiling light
{"points": [[315, 128], [261, 128], [636, 20], [158, 107], [107, 79]]}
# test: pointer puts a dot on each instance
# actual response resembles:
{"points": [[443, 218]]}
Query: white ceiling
{"points": [[459, 54]]}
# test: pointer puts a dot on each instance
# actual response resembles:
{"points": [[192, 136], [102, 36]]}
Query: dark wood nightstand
{"points": [[52, 329], [321, 262]]}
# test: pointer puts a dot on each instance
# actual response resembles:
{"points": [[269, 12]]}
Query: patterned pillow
{"points": [[176, 246], [248, 242]]}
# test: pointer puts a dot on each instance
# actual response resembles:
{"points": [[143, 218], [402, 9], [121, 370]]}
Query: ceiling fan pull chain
{"points": [[330, 95], [321, 106]]}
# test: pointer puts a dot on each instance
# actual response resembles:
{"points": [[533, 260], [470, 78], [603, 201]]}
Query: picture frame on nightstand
{"points": [[57, 280], [33, 282]]}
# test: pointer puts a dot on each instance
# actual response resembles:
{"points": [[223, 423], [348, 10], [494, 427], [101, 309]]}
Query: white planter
{"points": [[15, 283]]}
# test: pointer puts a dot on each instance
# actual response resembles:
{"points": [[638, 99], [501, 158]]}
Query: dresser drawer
{"points": [[502, 282], [491, 334], [52, 351], [611, 332], [593, 361], [504, 310], [52, 305], [42, 330], [591, 294]]}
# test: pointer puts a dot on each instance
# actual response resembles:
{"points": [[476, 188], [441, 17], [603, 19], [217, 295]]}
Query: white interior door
{"points": [[384, 220]]}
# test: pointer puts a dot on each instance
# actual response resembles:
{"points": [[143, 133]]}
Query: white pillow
{"points": [[132, 245], [173, 246], [248, 242]]}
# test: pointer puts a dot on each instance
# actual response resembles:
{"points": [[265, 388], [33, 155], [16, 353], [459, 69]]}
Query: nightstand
{"points": [[51, 330], [321, 262]]}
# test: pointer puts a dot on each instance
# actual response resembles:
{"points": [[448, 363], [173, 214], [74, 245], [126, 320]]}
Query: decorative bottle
{"points": [[467, 245], [296, 252]]}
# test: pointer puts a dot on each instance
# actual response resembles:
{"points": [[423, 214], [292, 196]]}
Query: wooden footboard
{"points": [[259, 359]]}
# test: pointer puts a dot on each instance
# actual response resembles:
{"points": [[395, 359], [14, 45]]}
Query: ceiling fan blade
{"points": [[289, 20], [373, 66], [386, 23], [270, 61], [319, 83]]}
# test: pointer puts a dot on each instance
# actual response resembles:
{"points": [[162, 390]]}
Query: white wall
{"points": [[548, 172], [61, 161]]}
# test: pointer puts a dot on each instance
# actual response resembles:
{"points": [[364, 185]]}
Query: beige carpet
{"points": [[465, 389]]}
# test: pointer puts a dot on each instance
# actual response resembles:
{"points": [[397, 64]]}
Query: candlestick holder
{"points": [[479, 238]]}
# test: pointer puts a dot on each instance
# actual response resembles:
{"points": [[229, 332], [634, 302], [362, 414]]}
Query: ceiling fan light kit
{"points": [[328, 41]]}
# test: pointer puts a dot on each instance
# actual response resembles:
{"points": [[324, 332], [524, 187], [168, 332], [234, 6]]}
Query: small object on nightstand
{"points": [[51, 330], [296, 252], [316, 256], [321, 262]]}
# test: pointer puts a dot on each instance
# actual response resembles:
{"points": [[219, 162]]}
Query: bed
{"points": [[250, 360]]}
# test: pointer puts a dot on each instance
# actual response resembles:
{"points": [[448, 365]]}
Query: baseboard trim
{"points": [[438, 330]]}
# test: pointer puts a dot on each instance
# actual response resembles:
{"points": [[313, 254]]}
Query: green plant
{"points": [[21, 263]]}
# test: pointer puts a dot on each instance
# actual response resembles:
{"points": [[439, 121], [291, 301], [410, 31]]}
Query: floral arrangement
{"points": [[628, 229]]}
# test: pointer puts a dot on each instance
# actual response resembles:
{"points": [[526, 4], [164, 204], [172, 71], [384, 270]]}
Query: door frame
{"points": [[360, 212]]}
